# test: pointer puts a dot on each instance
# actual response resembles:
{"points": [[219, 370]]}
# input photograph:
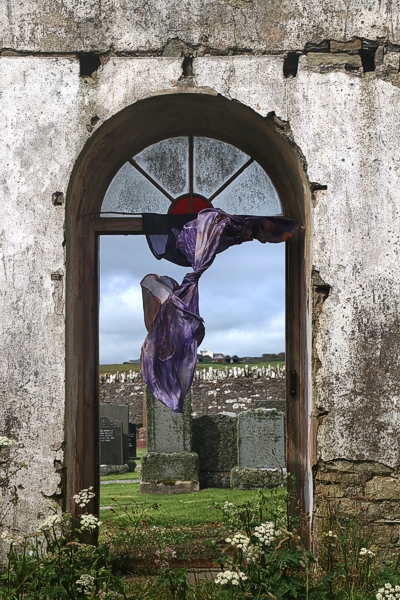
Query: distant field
{"points": [[136, 367]]}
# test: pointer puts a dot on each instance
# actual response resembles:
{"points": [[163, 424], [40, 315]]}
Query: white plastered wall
{"points": [[347, 128]]}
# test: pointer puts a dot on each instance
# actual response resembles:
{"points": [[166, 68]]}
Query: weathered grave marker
{"points": [[261, 449], [111, 452], [216, 443], [169, 467], [120, 413]]}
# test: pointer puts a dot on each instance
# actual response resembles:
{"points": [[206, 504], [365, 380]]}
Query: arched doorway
{"points": [[128, 133]]}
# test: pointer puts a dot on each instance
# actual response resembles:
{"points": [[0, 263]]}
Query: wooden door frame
{"points": [[125, 134]]}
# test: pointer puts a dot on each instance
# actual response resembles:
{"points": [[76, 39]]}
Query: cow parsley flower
{"points": [[5, 441], [231, 577], [266, 533], [330, 534], [84, 497], [85, 584], [89, 522], [388, 592], [366, 552], [11, 538], [49, 523], [230, 509], [239, 541]]}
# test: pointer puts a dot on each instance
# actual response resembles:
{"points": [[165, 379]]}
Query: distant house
{"points": [[218, 357], [204, 359], [228, 359], [235, 358], [206, 352], [134, 361]]}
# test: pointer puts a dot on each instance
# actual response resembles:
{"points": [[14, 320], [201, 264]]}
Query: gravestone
{"points": [[169, 467], [216, 443], [111, 452], [120, 413], [168, 431], [261, 449]]}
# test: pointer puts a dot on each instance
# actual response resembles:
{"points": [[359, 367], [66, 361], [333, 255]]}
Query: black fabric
{"points": [[161, 233]]}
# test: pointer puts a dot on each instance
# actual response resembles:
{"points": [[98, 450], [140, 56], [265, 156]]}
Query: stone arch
{"points": [[129, 131]]}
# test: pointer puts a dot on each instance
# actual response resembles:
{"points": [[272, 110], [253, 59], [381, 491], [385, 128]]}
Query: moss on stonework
{"points": [[252, 479], [163, 467]]}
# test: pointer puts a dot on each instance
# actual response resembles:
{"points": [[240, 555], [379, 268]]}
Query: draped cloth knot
{"points": [[171, 311]]}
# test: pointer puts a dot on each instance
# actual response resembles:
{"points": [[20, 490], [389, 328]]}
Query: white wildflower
{"points": [[11, 538], [49, 523], [388, 592], [330, 534], [232, 577], [366, 552], [84, 497], [5, 441], [239, 541], [252, 554], [266, 533], [230, 509], [85, 584], [89, 522]]}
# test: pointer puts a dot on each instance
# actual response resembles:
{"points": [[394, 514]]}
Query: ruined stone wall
{"points": [[209, 396], [339, 105]]}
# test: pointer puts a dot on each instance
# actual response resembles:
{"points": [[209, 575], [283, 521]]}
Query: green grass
{"points": [[180, 509], [128, 476], [134, 476], [114, 368]]}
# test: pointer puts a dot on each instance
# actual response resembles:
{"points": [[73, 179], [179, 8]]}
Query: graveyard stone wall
{"points": [[209, 396]]}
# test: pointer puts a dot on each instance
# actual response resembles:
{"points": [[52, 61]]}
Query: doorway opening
{"points": [[125, 136]]}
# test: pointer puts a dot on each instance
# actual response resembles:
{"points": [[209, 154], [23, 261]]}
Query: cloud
{"points": [[241, 298]]}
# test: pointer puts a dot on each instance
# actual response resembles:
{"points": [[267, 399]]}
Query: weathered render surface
{"points": [[237, 25], [344, 122]]}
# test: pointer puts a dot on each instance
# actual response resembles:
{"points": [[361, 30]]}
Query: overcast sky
{"points": [[241, 298]]}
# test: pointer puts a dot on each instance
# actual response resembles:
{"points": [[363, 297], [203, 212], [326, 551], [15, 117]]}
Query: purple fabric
{"points": [[175, 328]]}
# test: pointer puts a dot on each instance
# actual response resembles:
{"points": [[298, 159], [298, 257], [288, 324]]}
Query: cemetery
{"points": [[200, 128]]}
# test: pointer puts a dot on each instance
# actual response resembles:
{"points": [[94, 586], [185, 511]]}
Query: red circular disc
{"points": [[182, 206]]}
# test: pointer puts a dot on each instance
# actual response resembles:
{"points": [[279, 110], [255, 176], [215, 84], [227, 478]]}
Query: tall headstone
{"points": [[261, 449], [215, 441], [111, 450], [169, 467], [168, 431], [119, 412]]}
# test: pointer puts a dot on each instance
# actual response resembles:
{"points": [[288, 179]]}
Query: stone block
{"points": [[262, 439], [168, 431], [176, 487], [383, 488], [348, 472], [324, 62], [391, 62], [352, 47], [113, 469], [162, 467], [254, 479]]}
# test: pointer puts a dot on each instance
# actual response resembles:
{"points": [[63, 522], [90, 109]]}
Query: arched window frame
{"points": [[133, 129]]}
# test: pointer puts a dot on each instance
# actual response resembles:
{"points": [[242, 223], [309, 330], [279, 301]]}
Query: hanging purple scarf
{"points": [[171, 311]]}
